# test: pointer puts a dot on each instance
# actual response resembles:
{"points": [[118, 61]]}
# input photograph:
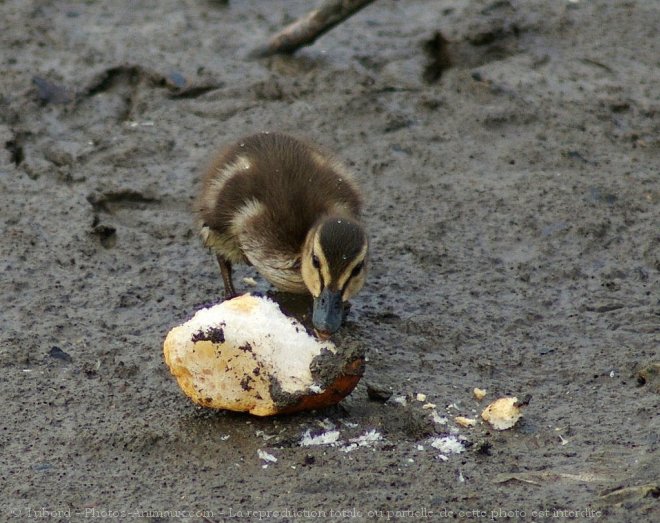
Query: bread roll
{"points": [[245, 355]]}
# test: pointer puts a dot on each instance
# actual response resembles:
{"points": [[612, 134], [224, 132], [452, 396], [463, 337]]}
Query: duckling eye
{"points": [[356, 270], [315, 261]]}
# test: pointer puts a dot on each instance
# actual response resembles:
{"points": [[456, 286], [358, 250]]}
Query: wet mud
{"points": [[509, 155]]}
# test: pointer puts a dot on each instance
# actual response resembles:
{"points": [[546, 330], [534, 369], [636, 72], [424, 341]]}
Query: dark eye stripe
{"points": [[317, 265], [356, 270]]}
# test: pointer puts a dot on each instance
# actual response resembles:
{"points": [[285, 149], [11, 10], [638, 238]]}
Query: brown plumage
{"points": [[290, 209]]}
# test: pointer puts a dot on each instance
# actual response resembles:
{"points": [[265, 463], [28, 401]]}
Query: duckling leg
{"points": [[225, 270]]}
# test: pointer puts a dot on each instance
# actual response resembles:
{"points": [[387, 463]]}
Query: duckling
{"points": [[291, 210]]}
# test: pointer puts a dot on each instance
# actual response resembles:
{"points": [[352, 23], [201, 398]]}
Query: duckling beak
{"points": [[327, 315]]}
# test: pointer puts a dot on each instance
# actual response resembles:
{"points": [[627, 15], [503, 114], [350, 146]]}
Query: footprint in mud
{"points": [[115, 93], [492, 33], [438, 57], [136, 210], [115, 203], [110, 201]]}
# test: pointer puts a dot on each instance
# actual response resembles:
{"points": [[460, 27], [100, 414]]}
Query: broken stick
{"points": [[308, 28]]}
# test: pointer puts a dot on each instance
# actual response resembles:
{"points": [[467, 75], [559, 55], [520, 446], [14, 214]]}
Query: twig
{"points": [[309, 27]]}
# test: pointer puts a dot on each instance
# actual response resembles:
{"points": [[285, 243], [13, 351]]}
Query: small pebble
{"points": [[376, 392]]}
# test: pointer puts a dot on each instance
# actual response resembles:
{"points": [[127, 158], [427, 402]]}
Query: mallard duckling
{"points": [[291, 210]]}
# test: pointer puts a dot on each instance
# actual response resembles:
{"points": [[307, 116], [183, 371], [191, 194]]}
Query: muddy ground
{"points": [[513, 209]]}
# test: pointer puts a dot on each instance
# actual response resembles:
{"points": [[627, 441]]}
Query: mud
{"points": [[509, 154]]}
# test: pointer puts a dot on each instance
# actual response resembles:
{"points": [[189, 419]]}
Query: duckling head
{"points": [[333, 267]]}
